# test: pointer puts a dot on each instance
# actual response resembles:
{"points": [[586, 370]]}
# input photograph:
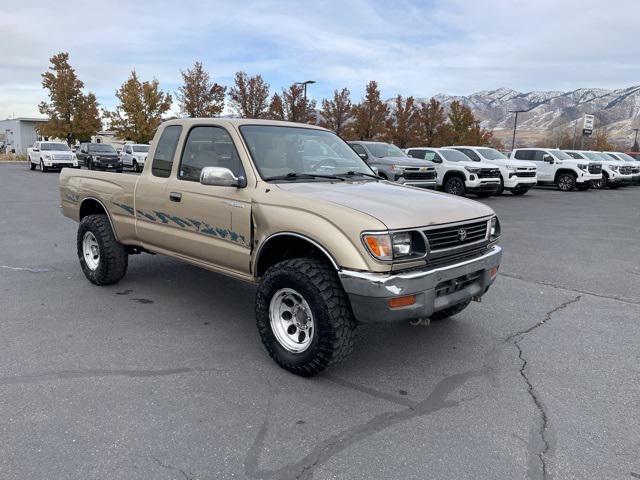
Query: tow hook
{"points": [[477, 299]]}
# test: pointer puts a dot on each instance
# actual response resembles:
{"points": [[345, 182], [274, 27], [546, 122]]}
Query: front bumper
{"points": [[60, 164], [488, 185], [422, 183], [520, 182], [435, 289], [107, 165], [585, 177]]}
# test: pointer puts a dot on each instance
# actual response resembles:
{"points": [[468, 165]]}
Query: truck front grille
{"points": [[489, 173], [526, 173], [445, 238], [625, 170], [419, 173], [595, 168], [61, 157]]}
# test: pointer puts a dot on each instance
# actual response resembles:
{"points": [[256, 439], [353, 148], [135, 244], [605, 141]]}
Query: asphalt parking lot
{"points": [[163, 375]]}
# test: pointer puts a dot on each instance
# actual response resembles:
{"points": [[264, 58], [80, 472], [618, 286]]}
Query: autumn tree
{"points": [[399, 124], [430, 127], [336, 113], [199, 96], [249, 97], [296, 107], [600, 142], [276, 108], [465, 129], [140, 111], [370, 114], [71, 114]]}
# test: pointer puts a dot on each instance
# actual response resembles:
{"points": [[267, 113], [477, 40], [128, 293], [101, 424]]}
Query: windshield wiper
{"points": [[353, 173], [296, 176]]}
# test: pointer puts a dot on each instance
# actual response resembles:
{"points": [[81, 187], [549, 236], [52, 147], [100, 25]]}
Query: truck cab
{"points": [[458, 174], [558, 168], [395, 165], [516, 176]]}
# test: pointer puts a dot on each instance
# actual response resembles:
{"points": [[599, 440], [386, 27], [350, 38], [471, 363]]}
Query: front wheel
{"points": [[500, 190], [103, 259], [303, 316], [599, 184], [566, 182], [42, 167], [32, 166], [455, 186]]}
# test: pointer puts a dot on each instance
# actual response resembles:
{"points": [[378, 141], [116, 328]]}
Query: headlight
{"points": [[494, 231], [395, 246], [397, 169], [614, 167], [47, 157], [472, 169], [583, 166], [511, 168]]}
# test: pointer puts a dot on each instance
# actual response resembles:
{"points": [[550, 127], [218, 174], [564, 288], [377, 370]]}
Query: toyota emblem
{"points": [[462, 234]]}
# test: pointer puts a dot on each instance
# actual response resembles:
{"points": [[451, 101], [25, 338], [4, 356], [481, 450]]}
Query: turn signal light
{"points": [[379, 246], [405, 301], [493, 272]]}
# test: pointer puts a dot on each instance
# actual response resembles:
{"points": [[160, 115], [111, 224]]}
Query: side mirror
{"points": [[436, 160], [36, 149], [363, 156], [221, 177], [547, 158]]}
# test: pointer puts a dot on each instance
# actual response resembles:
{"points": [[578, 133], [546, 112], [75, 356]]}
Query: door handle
{"points": [[175, 196]]}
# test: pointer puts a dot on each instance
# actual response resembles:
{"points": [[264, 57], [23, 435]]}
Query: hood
{"points": [[474, 164], [395, 205], [407, 161], [517, 163]]}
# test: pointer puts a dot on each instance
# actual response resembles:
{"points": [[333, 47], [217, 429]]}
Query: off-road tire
{"points": [[113, 261], [449, 312], [334, 323], [566, 182], [460, 189]]}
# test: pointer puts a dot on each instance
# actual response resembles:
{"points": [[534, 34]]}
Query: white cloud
{"points": [[419, 48]]}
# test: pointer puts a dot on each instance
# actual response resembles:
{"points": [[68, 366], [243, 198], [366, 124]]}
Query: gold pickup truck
{"points": [[293, 209]]}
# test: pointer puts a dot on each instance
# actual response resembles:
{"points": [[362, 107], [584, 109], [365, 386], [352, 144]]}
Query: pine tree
{"points": [[72, 115], [140, 111], [199, 96]]}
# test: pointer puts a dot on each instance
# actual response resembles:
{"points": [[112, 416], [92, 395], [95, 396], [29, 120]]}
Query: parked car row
{"points": [[51, 155], [485, 171]]}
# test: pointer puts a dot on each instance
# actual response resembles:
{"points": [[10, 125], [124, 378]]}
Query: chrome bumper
{"points": [[435, 289]]}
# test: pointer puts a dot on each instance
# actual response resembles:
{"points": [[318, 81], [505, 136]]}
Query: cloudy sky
{"points": [[415, 48]]}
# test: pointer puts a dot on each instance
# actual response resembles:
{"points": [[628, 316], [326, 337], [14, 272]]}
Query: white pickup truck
{"points": [[133, 155], [50, 155]]}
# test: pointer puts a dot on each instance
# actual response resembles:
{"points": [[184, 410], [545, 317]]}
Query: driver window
{"points": [[208, 147]]}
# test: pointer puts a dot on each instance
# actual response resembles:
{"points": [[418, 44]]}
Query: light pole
{"points": [[308, 82], [515, 126]]}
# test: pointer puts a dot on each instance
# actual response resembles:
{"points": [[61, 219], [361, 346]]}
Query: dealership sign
{"points": [[587, 124]]}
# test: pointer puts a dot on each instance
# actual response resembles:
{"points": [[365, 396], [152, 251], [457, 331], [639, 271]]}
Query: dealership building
{"points": [[17, 134]]}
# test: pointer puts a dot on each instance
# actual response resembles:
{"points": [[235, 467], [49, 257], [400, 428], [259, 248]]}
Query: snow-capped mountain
{"points": [[617, 110]]}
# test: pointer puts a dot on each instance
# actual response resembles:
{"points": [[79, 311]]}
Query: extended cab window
{"points": [[165, 151], [208, 147], [417, 154], [524, 155], [469, 153]]}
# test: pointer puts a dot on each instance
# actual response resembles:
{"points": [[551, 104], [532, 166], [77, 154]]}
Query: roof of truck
{"points": [[238, 122]]}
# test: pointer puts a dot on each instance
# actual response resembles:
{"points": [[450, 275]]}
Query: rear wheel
{"points": [[449, 312], [455, 186], [103, 259], [304, 317], [566, 182]]}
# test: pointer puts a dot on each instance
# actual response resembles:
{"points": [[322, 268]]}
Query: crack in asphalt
{"points": [[537, 469], [168, 466], [568, 289], [73, 374], [434, 402]]}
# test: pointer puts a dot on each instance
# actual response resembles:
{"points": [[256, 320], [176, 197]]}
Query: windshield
{"points": [[491, 153], [62, 147], [593, 156], [560, 155], [280, 151], [141, 148], [101, 147], [381, 150], [604, 157], [625, 157], [454, 155]]}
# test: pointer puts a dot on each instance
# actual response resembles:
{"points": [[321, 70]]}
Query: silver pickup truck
{"points": [[293, 209]]}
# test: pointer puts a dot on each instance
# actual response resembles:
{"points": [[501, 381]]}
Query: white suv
{"points": [[558, 168], [614, 172], [631, 163], [517, 176], [458, 174], [133, 155]]}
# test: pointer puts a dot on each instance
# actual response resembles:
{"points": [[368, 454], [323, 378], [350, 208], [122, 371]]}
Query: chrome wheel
{"points": [[90, 251], [565, 182], [291, 320]]}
